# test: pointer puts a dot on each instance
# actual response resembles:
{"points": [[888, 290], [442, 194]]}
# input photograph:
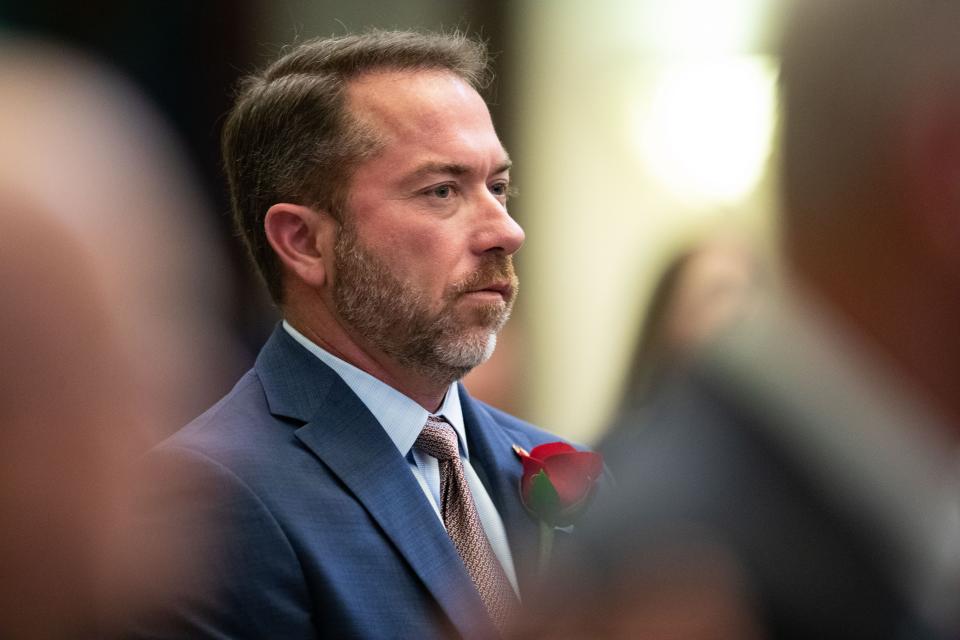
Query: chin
{"points": [[465, 354]]}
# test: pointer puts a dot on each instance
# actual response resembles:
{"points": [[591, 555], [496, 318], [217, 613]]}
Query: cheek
{"points": [[426, 253], [428, 259]]}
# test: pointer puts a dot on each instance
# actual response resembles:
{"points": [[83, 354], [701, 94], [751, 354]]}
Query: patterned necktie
{"points": [[463, 523]]}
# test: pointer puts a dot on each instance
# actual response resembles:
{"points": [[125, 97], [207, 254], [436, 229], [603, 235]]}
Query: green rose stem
{"points": [[546, 546], [546, 504]]}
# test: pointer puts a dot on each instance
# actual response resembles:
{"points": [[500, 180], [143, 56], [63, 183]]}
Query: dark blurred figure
{"points": [[801, 480], [106, 333], [701, 290]]}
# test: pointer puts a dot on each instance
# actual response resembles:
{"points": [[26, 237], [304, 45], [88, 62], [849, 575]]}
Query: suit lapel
{"points": [[492, 449], [345, 436]]}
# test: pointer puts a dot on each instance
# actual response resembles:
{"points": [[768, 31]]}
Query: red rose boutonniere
{"points": [[557, 485]]}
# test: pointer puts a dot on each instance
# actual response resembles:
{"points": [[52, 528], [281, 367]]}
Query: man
{"points": [[371, 189], [802, 480]]}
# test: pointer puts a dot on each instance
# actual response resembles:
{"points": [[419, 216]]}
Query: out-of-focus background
{"points": [[636, 126]]}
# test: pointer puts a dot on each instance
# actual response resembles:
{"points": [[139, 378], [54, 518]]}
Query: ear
{"points": [[302, 238]]}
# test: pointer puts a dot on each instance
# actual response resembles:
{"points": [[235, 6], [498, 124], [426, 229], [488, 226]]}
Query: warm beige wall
{"points": [[594, 83]]}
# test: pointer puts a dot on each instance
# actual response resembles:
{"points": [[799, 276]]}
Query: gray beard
{"points": [[395, 317]]}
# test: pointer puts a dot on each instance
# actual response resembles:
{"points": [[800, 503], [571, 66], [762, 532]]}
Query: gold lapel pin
{"points": [[520, 451]]}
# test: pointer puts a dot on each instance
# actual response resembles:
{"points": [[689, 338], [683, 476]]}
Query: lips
{"points": [[505, 289], [494, 280]]}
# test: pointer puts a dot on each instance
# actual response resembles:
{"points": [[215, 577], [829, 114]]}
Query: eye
{"points": [[500, 189], [441, 191]]}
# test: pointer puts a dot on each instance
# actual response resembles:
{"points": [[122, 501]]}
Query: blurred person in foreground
{"points": [[102, 287], [371, 190], [801, 480]]}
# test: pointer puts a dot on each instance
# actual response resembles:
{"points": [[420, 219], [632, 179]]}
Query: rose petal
{"points": [[544, 451], [531, 466], [573, 474], [569, 515]]}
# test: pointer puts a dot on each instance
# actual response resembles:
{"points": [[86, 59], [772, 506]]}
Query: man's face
{"points": [[423, 268]]}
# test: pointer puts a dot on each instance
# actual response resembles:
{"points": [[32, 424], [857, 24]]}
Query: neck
{"points": [[332, 336]]}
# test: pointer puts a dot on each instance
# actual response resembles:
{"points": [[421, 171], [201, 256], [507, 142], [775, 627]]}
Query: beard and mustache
{"points": [[397, 318]]}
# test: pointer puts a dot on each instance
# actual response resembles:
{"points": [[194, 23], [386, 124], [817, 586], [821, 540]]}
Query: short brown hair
{"points": [[290, 137]]}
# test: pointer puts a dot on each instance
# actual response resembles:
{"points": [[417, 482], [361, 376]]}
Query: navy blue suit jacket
{"points": [[302, 520]]}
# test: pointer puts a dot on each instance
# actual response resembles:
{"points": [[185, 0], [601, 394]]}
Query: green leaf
{"points": [[544, 499]]}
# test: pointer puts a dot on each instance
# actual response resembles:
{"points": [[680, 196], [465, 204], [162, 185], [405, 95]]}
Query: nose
{"points": [[499, 232]]}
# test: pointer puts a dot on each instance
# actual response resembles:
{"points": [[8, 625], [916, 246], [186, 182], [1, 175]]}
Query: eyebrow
{"points": [[451, 168]]}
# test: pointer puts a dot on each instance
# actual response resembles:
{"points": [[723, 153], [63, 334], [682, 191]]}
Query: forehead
{"points": [[428, 109]]}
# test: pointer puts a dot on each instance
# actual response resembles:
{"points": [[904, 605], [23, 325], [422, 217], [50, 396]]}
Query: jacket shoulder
{"points": [[238, 417]]}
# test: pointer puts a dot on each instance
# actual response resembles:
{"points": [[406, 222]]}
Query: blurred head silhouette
{"points": [[871, 174], [108, 334]]}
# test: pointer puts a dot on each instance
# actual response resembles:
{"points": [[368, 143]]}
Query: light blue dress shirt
{"points": [[403, 419]]}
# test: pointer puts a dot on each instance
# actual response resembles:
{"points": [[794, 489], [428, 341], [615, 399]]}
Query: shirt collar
{"points": [[400, 416]]}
